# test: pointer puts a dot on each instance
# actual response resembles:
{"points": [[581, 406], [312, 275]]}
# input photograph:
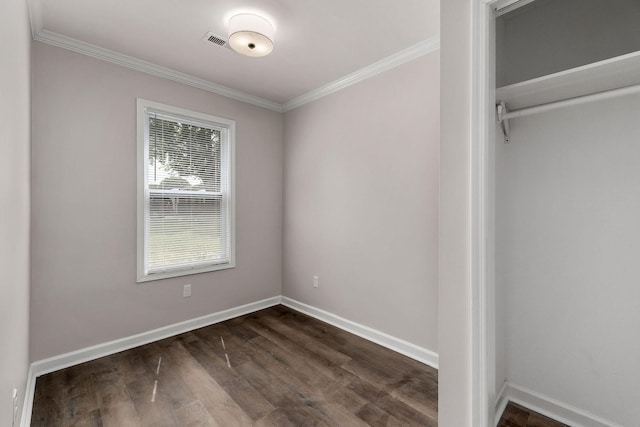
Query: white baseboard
{"points": [[413, 351], [548, 406], [501, 402], [45, 366], [27, 404], [76, 357]]}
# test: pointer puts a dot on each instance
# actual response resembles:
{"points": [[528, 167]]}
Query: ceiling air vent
{"points": [[216, 39]]}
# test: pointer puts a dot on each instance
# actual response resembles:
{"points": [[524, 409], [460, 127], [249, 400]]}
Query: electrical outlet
{"points": [[186, 291], [316, 281]]}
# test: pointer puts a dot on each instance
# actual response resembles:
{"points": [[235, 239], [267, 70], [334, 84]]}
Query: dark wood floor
{"points": [[518, 416], [275, 367]]}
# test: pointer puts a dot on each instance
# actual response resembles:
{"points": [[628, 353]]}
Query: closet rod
{"points": [[599, 96], [508, 5]]}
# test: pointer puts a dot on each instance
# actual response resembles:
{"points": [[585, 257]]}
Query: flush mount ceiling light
{"points": [[250, 35]]}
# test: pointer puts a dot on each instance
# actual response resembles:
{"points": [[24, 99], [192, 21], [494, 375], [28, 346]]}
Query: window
{"points": [[185, 192]]}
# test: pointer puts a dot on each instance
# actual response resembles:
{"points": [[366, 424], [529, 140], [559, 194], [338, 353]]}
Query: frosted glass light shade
{"points": [[250, 35]]}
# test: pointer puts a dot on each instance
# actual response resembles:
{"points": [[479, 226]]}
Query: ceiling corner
{"points": [[35, 16], [412, 52]]}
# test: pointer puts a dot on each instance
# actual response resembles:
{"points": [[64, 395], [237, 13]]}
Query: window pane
{"points": [[184, 231], [186, 208], [183, 156]]}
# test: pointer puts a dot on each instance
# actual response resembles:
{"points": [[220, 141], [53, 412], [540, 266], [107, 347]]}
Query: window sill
{"points": [[184, 272]]}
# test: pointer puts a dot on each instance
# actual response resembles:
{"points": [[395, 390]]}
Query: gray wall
{"points": [[568, 247], [454, 324], [546, 36], [361, 202], [15, 119], [83, 269], [567, 209]]}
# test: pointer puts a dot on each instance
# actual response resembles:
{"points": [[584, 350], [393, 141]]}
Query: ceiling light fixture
{"points": [[251, 34]]}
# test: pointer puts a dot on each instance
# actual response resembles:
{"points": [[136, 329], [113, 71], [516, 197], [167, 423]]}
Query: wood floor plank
{"points": [[90, 419], [401, 411], [344, 341], [170, 386], [216, 336], [408, 414], [516, 415], [79, 405], [288, 417], [273, 387], [120, 414], [296, 369], [333, 355], [274, 367], [421, 394], [241, 391], [296, 382], [218, 403], [120, 367], [268, 378], [151, 412], [297, 378], [339, 415], [391, 370], [375, 416], [286, 378], [47, 410], [319, 362], [110, 376], [195, 415]]}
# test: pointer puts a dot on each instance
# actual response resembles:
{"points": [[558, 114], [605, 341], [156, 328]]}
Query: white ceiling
{"points": [[316, 42]]}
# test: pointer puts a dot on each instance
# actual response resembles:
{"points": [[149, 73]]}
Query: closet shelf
{"points": [[609, 74]]}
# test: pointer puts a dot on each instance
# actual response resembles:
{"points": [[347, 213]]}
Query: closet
{"points": [[566, 165]]}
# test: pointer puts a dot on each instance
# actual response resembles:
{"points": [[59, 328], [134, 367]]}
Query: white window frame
{"points": [[143, 107]]}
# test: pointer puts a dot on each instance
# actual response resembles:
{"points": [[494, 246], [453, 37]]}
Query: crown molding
{"points": [[49, 37], [422, 48], [94, 51], [35, 16]]}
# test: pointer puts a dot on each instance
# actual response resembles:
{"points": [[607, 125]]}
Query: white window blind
{"points": [[186, 188]]}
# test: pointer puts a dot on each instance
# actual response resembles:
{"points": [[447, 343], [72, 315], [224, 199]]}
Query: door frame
{"points": [[483, 305]]}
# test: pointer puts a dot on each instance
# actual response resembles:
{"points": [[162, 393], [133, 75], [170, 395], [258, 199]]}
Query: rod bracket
{"points": [[501, 111]]}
